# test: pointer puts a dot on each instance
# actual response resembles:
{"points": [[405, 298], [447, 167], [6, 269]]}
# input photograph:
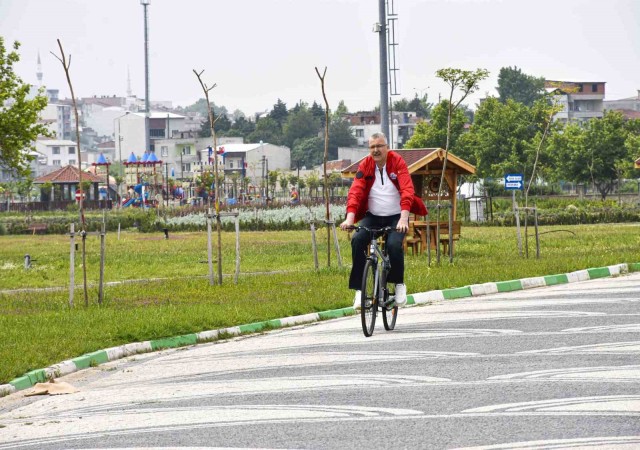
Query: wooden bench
{"points": [[35, 227], [444, 236], [413, 240]]}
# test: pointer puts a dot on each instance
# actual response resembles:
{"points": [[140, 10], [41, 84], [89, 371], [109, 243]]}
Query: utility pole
{"points": [[381, 29], [147, 108]]}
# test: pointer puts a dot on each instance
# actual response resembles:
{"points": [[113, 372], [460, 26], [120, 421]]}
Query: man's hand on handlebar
{"points": [[403, 225], [348, 222]]}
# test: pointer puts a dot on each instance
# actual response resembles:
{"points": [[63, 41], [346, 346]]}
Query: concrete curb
{"points": [[110, 354]]}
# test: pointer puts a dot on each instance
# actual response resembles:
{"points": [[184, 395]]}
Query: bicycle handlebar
{"points": [[376, 231]]}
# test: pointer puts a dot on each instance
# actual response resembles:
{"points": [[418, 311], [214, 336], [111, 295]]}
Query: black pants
{"points": [[360, 243]]}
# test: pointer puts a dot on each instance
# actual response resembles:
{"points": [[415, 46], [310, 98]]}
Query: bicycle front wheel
{"points": [[369, 301], [390, 313]]}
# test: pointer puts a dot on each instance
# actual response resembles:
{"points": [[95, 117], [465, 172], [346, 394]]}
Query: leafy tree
{"points": [[593, 152], [341, 110], [299, 125], [267, 130], [340, 135], [313, 181], [308, 152], [434, 134], [520, 87], [221, 125], [505, 137], [19, 115], [318, 112], [421, 106], [279, 113], [241, 127]]}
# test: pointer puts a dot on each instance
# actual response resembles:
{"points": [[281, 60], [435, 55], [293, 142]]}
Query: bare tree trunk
{"points": [[326, 155], [206, 90], [65, 65]]}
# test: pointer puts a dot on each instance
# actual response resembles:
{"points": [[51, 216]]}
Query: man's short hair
{"points": [[379, 136]]}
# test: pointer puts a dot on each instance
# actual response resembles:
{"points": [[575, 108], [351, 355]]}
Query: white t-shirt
{"points": [[384, 198]]}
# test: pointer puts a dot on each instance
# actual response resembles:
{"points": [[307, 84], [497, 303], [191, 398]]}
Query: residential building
{"points": [[58, 152], [249, 160], [60, 120], [580, 101], [629, 106], [130, 130], [366, 123], [38, 167]]}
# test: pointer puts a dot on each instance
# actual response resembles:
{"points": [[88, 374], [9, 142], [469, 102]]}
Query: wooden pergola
{"points": [[425, 166]]}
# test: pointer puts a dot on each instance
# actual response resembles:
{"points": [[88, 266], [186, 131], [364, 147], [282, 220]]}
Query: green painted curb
{"points": [[259, 326], [334, 313], [508, 286], [550, 280], [94, 358], [178, 341], [634, 267], [451, 294], [599, 272], [410, 300], [29, 379]]}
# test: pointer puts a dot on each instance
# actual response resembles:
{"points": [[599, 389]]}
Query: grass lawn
{"points": [[37, 328]]}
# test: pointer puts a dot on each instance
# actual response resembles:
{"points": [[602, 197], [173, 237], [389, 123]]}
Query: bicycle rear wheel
{"points": [[369, 301], [390, 313]]}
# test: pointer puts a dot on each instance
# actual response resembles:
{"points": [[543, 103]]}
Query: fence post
{"points": [[335, 240], [237, 223], [209, 248], [535, 218], [313, 243], [72, 265], [450, 234], [102, 248]]}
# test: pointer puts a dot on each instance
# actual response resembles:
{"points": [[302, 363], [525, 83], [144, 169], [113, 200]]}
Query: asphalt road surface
{"points": [[554, 368]]}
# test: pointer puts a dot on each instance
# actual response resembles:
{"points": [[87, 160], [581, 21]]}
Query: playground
{"points": [[145, 183]]}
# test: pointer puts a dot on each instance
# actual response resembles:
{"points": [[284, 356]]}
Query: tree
{"points": [[421, 106], [318, 112], [279, 113], [299, 125], [340, 111], [505, 137], [267, 130], [242, 127], [340, 135], [308, 151], [222, 125], [434, 134], [593, 153], [520, 87], [19, 115]]}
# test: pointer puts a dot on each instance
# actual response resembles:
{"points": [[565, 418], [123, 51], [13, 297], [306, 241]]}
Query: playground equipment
{"points": [[143, 180]]}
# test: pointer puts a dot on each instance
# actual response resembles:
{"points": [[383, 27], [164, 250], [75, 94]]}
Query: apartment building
{"points": [[580, 100]]}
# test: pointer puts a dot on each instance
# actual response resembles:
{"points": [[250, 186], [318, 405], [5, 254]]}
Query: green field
{"points": [[168, 293]]}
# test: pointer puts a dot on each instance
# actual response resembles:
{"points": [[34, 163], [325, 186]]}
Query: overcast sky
{"points": [[257, 51]]}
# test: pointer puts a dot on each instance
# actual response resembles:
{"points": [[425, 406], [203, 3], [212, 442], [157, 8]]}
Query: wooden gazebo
{"points": [[425, 167], [66, 181]]}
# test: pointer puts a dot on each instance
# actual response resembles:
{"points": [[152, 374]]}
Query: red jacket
{"points": [[358, 198]]}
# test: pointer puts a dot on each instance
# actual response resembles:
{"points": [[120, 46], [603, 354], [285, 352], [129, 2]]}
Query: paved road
{"points": [[554, 367]]}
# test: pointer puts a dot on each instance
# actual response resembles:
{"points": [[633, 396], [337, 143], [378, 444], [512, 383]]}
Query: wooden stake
{"points": [[209, 249], [102, 250], [72, 264], [235, 279], [313, 244]]}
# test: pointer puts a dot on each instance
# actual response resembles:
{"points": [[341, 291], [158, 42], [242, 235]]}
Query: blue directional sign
{"points": [[514, 182]]}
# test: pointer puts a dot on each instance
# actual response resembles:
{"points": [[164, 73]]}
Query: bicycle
{"points": [[375, 291]]}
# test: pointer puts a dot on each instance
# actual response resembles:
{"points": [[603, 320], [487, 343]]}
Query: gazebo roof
{"points": [[418, 158], [67, 175]]}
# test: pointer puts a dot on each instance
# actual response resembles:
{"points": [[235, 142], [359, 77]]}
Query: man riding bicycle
{"points": [[381, 195]]}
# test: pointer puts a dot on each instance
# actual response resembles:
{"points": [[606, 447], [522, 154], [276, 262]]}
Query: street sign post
{"points": [[514, 182]]}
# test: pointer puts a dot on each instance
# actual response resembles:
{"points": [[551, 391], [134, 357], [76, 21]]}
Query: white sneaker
{"points": [[357, 299], [401, 294]]}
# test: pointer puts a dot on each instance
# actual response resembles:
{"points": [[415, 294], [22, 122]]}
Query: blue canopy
{"points": [[132, 159], [102, 160]]}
